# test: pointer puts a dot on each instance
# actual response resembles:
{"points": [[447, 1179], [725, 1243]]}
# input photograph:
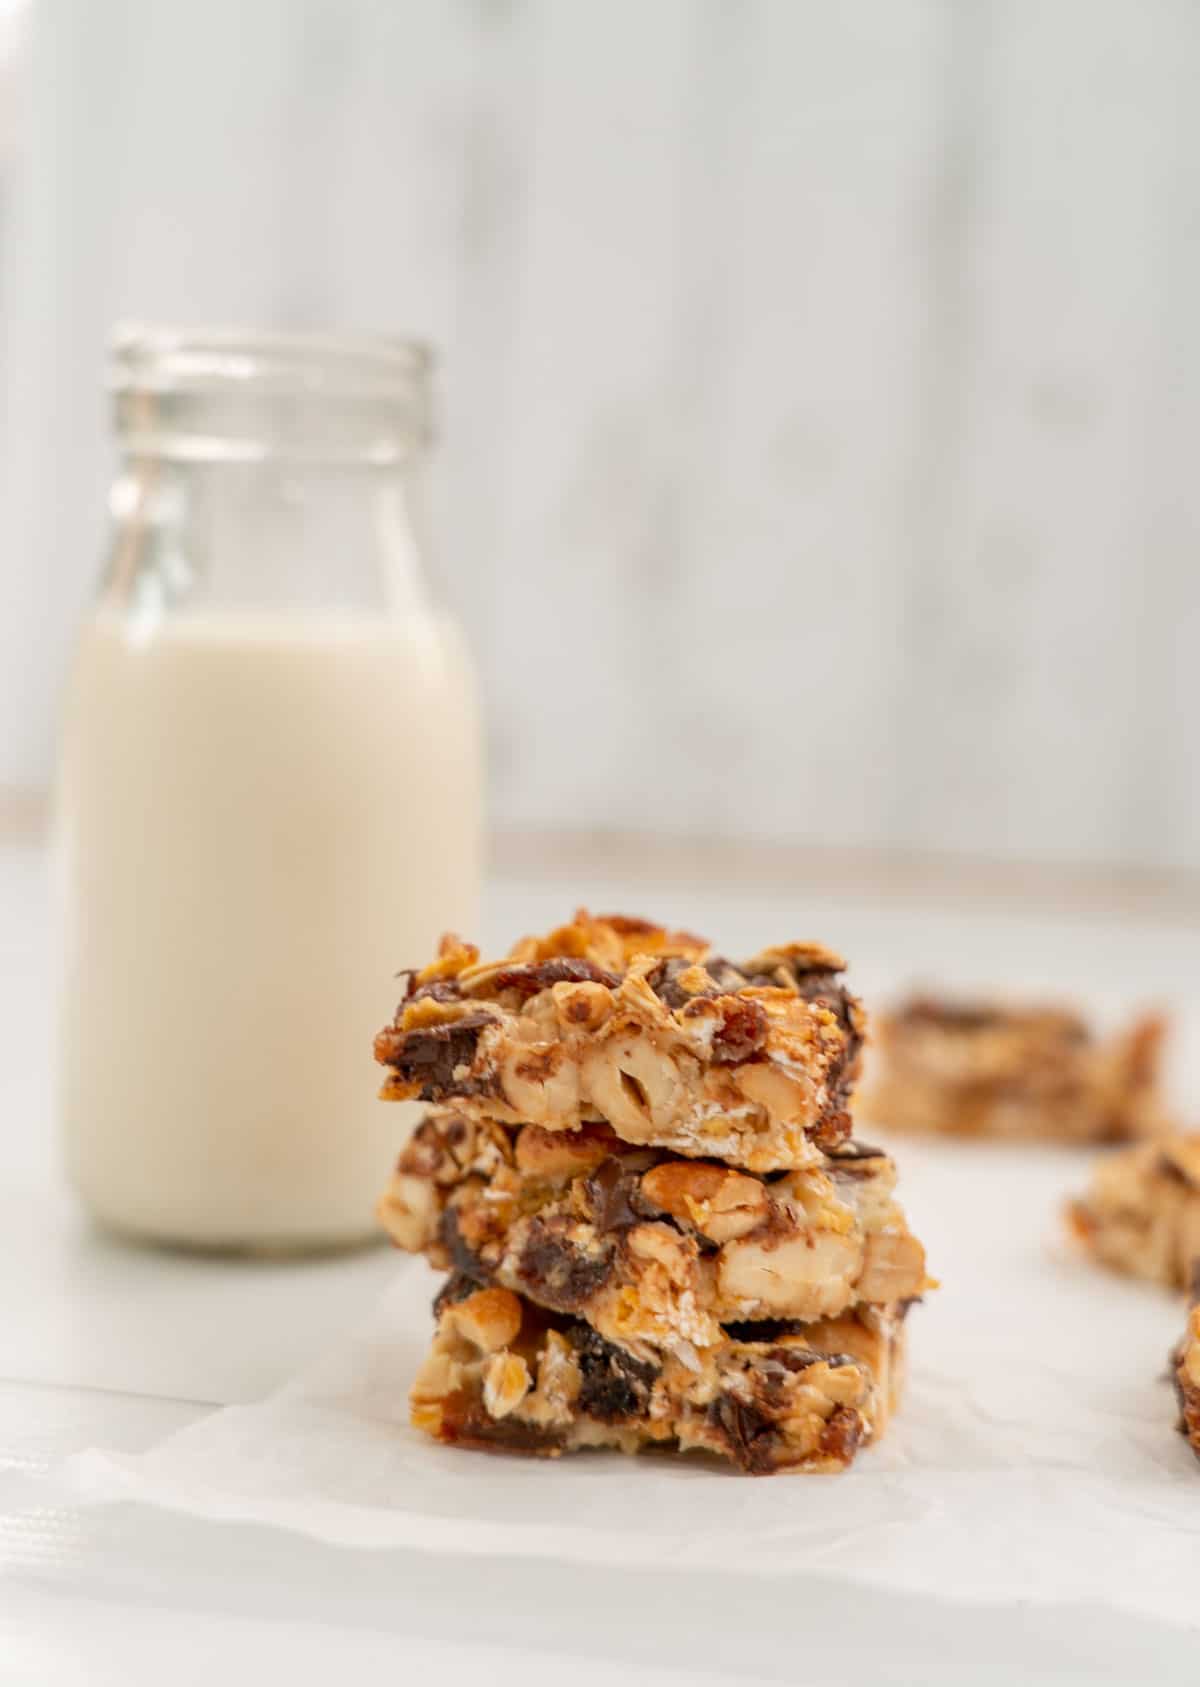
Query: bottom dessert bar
{"points": [[1141, 1213], [506, 1376], [1185, 1370]]}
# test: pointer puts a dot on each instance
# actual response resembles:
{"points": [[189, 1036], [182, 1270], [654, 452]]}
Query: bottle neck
{"points": [[271, 474], [277, 534], [253, 424]]}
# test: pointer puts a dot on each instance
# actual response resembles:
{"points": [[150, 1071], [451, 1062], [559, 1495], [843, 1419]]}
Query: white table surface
{"points": [[104, 1344]]}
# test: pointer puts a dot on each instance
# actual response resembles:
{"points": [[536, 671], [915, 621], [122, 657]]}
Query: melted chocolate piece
{"points": [[614, 1196], [422, 1153], [465, 1423], [797, 1359], [855, 1159], [430, 1054], [553, 1269], [465, 1262], [771, 1329], [615, 1385], [726, 980], [458, 1286], [664, 981], [1166, 1167], [827, 988], [849, 1152], [437, 990], [831, 1129], [749, 1433], [529, 979], [743, 1031]]}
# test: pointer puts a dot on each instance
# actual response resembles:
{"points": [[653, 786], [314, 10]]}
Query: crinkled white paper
{"points": [[1034, 1457]]}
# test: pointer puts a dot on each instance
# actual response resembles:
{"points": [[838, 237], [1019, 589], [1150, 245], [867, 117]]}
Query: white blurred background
{"points": [[821, 383]]}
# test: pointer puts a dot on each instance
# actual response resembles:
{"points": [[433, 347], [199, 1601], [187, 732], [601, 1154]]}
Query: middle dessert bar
{"points": [[621, 1020], [652, 1251]]}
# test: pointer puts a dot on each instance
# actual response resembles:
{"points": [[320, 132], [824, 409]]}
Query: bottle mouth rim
{"points": [[158, 358]]}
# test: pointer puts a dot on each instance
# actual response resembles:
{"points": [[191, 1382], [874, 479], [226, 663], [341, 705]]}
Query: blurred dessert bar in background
{"points": [[1185, 1368], [637, 1168], [1141, 1212], [989, 1069]]}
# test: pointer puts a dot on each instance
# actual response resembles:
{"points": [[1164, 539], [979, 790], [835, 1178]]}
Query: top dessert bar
{"points": [[988, 1069], [618, 1019]]}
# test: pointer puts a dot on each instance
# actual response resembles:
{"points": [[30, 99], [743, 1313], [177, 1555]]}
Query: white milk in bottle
{"points": [[269, 797]]}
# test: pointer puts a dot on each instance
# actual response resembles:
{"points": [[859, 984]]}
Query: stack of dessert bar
{"points": [[637, 1170]]}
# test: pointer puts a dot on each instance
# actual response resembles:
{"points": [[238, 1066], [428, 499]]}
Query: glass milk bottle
{"points": [[269, 792]]}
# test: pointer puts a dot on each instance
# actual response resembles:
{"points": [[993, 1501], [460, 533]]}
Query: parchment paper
{"points": [[1034, 1457]]}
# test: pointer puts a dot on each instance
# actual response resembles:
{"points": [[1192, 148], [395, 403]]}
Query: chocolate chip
{"points": [[614, 1385], [855, 1159], [1166, 1167], [429, 1055], [614, 1196], [724, 980], [773, 1330], [831, 1130], [555, 1270], [852, 1151], [742, 1031], [762, 1329], [464, 1260], [466, 1423], [795, 1359], [663, 981], [528, 980], [458, 1286], [749, 1433]]}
